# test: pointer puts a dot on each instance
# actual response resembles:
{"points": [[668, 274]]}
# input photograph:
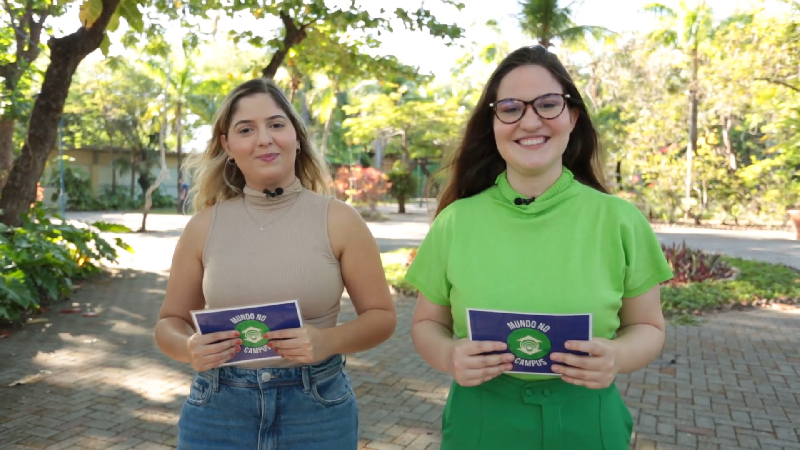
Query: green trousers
{"points": [[508, 414]]}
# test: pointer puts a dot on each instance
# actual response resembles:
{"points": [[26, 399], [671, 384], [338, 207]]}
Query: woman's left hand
{"points": [[304, 345], [595, 371]]}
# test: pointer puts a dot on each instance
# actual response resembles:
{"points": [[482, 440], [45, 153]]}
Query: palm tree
{"points": [[545, 21], [685, 29]]}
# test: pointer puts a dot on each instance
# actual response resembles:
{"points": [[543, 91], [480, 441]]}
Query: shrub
{"points": [[369, 185], [40, 261], [692, 265]]}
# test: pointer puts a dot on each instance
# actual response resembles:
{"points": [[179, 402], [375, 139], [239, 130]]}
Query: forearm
{"points": [[433, 342], [172, 334], [370, 328], [636, 346]]}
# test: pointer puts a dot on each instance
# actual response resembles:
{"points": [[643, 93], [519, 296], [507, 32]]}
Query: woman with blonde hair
{"points": [[266, 231]]}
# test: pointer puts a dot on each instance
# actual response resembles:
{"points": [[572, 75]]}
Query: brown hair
{"points": [[214, 180], [476, 163]]}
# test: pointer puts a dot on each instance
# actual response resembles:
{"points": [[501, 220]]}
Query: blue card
{"points": [[531, 338], [251, 322]]}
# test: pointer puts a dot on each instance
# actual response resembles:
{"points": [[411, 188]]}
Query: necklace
{"points": [[262, 226]]}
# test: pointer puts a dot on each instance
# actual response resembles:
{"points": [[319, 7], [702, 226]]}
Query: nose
{"points": [[264, 136], [530, 120]]}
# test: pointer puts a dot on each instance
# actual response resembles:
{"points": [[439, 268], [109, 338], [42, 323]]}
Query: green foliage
{"points": [[757, 283], [395, 264], [42, 259], [402, 181]]}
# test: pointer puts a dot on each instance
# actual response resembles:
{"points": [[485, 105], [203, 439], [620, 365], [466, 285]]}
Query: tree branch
{"points": [[780, 82]]}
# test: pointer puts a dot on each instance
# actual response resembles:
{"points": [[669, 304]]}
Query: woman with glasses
{"points": [[525, 225]]}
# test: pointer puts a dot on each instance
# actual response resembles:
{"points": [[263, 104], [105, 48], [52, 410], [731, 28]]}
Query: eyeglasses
{"points": [[547, 106]]}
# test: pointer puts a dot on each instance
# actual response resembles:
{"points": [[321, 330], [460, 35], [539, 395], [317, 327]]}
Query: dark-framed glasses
{"points": [[547, 106]]}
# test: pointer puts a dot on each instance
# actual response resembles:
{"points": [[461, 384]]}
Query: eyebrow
{"points": [[243, 121]]}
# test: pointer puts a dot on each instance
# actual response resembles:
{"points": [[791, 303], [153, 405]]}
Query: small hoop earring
{"points": [[230, 161], [298, 151]]}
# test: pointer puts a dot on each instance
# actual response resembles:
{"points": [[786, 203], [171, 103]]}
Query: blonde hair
{"points": [[214, 180]]}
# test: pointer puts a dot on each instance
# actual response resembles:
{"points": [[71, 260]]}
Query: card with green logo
{"points": [[531, 338], [251, 322]]}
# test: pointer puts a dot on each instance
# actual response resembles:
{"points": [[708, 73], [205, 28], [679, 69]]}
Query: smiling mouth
{"points": [[533, 141], [268, 157]]}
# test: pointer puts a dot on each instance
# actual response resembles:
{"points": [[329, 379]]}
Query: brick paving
{"points": [[74, 382]]}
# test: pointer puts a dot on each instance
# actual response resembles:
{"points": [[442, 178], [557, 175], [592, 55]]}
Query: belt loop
{"points": [[304, 372], [215, 379]]}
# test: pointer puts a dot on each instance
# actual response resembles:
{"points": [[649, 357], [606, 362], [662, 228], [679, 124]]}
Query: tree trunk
{"points": [[692, 147], [401, 204], [6, 149], [294, 35], [65, 55], [179, 132], [726, 138]]}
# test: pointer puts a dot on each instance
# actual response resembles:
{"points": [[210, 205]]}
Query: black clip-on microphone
{"points": [[524, 201], [271, 194]]}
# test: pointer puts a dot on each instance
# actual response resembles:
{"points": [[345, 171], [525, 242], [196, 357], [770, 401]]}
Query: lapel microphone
{"points": [[271, 194], [520, 201]]}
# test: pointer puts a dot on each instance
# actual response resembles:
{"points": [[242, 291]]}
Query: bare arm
{"points": [[464, 360], [642, 331], [365, 281], [432, 334], [173, 330]]}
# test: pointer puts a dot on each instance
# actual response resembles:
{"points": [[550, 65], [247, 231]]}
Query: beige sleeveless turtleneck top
{"points": [[268, 250]]}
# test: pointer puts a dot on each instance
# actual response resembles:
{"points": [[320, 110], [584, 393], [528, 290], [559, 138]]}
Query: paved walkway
{"points": [[74, 382]]}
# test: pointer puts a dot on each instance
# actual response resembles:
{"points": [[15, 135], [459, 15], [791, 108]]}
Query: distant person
{"points": [[525, 225], [265, 231], [183, 197]]}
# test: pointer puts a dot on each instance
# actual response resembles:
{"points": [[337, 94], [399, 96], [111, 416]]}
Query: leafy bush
{"points": [[40, 261], [692, 265], [369, 185], [758, 283]]}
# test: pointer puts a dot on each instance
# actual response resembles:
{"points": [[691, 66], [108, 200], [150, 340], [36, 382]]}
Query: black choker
{"points": [[271, 194], [524, 201]]}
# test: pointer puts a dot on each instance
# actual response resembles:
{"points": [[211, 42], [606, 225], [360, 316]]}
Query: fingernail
{"points": [[236, 334], [238, 342], [555, 357]]}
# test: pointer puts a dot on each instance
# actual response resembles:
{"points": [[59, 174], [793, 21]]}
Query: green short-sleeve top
{"points": [[574, 250]]}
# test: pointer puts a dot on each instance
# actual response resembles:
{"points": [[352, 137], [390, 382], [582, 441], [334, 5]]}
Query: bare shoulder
{"points": [[196, 231], [345, 225]]}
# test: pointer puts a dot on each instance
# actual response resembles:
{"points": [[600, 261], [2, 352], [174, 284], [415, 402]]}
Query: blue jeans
{"points": [[307, 407]]}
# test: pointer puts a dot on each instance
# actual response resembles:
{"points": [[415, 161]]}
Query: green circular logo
{"points": [[527, 343], [252, 333]]}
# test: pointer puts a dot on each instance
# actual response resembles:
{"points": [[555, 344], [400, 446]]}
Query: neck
{"points": [[533, 185], [271, 185]]}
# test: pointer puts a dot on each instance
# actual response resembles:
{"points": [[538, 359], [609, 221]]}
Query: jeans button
{"points": [[546, 392], [529, 392], [266, 376]]}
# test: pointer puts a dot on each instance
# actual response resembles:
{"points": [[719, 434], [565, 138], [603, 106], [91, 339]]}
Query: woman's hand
{"points": [[304, 345], [595, 371], [469, 367], [208, 351]]}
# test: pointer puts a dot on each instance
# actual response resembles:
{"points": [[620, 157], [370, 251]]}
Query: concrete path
{"points": [[74, 382]]}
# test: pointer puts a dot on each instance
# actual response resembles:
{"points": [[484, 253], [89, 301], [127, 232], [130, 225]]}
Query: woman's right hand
{"points": [[208, 351], [470, 367]]}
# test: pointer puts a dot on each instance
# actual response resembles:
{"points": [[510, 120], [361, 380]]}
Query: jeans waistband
{"points": [[275, 376]]}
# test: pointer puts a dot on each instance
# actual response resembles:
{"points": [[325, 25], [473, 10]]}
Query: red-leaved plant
{"points": [[369, 185], [692, 265]]}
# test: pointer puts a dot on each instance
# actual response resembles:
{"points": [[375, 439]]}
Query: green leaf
{"points": [[90, 11]]}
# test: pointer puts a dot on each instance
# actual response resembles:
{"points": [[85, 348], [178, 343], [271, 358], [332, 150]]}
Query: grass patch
{"points": [[395, 264], [757, 284]]}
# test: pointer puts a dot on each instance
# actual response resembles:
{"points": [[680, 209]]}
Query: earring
{"points": [[298, 150], [231, 160]]}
